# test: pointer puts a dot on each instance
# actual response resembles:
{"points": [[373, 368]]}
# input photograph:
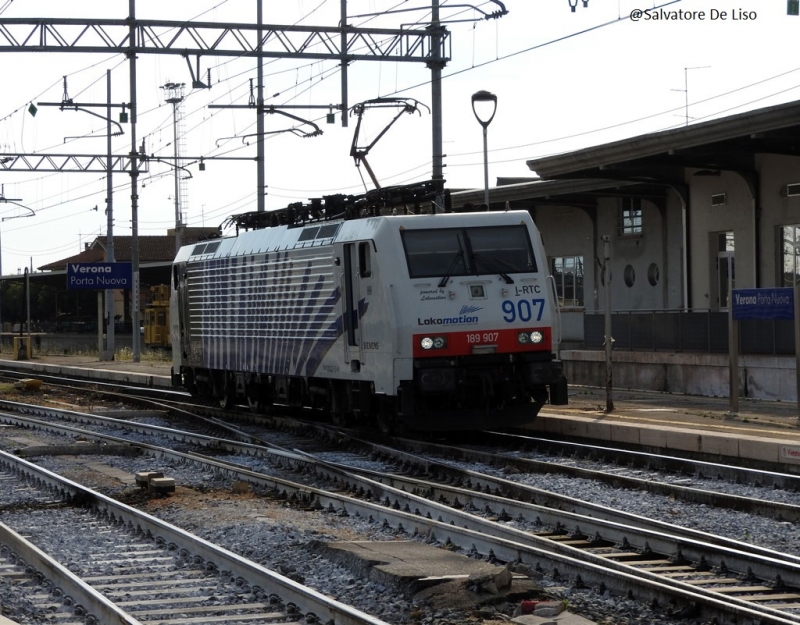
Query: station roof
{"points": [[152, 249], [645, 165], [156, 254], [730, 143]]}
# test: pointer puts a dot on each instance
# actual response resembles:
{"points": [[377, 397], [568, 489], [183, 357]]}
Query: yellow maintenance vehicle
{"points": [[156, 317]]}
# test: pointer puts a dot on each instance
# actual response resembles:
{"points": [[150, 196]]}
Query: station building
{"points": [[689, 214]]}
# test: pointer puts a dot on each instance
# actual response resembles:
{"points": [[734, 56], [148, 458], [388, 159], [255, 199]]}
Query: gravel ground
{"points": [[288, 541]]}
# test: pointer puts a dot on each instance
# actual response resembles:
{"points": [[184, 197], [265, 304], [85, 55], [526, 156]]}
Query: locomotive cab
{"points": [[483, 324]]}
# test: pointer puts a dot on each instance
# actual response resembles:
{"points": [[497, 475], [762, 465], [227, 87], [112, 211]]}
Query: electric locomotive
{"points": [[387, 308]]}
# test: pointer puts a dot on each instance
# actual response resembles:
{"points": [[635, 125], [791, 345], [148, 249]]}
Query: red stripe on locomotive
{"points": [[481, 342]]}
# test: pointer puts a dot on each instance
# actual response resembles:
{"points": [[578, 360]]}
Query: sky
{"points": [[564, 79]]}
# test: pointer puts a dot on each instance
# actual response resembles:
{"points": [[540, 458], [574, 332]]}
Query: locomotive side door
{"points": [[351, 293], [181, 333]]}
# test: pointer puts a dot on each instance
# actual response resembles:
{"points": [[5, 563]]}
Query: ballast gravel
{"points": [[288, 542]]}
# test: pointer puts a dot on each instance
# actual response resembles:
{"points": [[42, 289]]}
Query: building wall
{"points": [[655, 257], [777, 210], [707, 221], [637, 260], [676, 238], [760, 377]]}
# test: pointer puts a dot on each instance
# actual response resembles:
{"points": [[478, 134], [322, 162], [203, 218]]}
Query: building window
{"points": [[630, 216], [719, 199], [790, 255], [630, 275], [568, 274]]}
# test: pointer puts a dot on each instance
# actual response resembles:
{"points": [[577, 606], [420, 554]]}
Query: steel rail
{"points": [[784, 512], [658, 461], [509, 503], [313, 604], [87, 601], [482, 535]]}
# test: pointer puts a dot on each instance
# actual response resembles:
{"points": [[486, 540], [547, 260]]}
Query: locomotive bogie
{"points": [[437, 321]]}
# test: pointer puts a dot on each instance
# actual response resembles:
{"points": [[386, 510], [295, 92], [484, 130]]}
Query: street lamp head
{"points": [[486, 104]]}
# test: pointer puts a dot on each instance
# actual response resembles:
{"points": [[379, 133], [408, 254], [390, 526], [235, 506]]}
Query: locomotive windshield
{"points": [[447, 252]]}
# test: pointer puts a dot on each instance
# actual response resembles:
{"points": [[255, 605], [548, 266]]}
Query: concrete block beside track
{"points": [[723, 445], [573, 427], [565, 618], [653, 437], [408, 562], [598, 430], [683, 440], [759, 449], [621, 433]]}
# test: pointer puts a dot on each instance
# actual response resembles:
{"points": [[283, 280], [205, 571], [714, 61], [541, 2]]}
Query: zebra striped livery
{"points": [[429, 320]]}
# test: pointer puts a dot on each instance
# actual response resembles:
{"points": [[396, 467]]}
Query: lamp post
{"points": [[175, 97], [484, 113], [31, 213]]}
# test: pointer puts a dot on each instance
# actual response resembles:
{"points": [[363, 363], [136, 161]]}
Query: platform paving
{"points": [[148, 373]]}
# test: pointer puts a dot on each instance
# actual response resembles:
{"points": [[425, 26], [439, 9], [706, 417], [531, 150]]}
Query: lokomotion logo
{"points": [[464, 317]]}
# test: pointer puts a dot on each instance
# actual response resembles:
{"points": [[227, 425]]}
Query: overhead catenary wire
{"points": [[333, 71]]}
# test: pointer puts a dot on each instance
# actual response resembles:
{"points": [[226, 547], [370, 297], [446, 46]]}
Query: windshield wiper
{"points": [[459, 256], [491, 265]]}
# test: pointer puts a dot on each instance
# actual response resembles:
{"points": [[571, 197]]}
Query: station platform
{"points": [[155, 373], [759, 430]]}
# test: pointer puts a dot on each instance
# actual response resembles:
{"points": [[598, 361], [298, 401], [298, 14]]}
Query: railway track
{"points": [[591, 547], [106, 562]]}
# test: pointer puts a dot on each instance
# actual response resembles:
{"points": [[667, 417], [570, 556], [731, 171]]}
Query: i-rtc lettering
{"points": [[527, 290]]}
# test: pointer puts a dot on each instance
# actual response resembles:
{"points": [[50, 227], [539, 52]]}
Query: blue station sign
{"points": [[101, 276], [777, 303]]}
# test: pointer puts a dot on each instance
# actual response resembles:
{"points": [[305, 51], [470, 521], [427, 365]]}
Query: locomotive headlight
{"points": [[523, 338], [435, 342]]}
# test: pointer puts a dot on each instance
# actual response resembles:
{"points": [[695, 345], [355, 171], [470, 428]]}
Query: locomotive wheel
{"points": [[224, 392], [225, 401], [388, 421], [385, 424], [338, 406]]}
